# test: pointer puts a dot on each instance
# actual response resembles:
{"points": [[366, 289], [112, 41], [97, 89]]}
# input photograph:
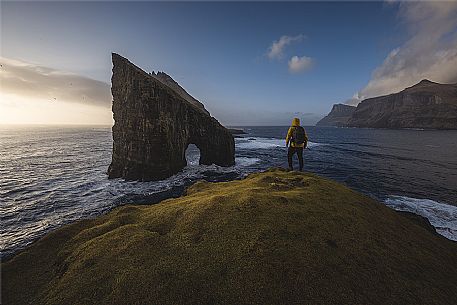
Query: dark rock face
{"points": [[424, 105], [236, 131], [339, 116], [154, 124], [170, 82]]}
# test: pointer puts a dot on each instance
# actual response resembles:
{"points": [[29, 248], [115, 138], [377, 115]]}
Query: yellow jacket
{"points": [[295, 123]]}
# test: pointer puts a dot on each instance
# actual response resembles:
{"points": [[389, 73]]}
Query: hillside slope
{"points": [[273, 238]]}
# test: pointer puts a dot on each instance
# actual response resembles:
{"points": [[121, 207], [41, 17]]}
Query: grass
{"points": [[273, 238]]}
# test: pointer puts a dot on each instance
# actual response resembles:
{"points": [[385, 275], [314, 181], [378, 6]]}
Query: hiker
{"points": [[298, 140]]}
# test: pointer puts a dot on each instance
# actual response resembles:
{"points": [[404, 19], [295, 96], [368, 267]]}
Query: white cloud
{"points": [[300, 64], [276, 50], [430, 53], [36, 82]]}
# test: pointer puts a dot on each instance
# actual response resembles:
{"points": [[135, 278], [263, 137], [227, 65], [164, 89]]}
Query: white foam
{"points": [[264, 143], [313, 144], [441, 215], [259, 143], [245, 161]]}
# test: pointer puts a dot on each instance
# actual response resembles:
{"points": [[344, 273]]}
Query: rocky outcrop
{"points": [[154, 124], [338, 117], [237, 131], [426, 105]]}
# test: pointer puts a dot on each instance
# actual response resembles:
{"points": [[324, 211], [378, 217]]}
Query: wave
{"points": [[264, 143], [245, 161], [55, 176], [441, 215]]}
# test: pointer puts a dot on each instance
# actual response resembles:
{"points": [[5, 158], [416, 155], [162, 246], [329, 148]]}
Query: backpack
{"points": [[298, 135]]}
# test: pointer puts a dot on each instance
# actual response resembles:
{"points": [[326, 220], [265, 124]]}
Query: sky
{"points": [[249, 63]]}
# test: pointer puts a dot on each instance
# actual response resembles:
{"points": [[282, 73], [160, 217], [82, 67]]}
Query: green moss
{"points": [[273, 238]]}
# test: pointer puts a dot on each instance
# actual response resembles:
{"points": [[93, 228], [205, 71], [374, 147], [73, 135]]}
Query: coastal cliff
{"points": [[338, 116], [272, 238], [425, 105], [155, 123]]}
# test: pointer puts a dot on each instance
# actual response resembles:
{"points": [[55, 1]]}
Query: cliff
{"points": [[424, 105], [338, 117], [170, 82], [273, 238], [155, 121]]}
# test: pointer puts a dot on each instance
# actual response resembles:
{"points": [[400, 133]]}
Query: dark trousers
{"points": [[291, 152]]}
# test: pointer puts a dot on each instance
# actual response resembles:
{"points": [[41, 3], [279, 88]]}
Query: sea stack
{"points": [[154, 124]]}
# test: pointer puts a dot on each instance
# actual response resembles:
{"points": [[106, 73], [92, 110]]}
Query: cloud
{"points": [[37, 82], [276, 50], [300, 64], [429, 53]]}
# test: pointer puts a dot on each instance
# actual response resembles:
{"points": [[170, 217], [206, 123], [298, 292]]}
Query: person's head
{"points": [[296, 122]]}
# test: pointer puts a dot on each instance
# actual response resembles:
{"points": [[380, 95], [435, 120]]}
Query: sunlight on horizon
{"points": [[18, 110]]}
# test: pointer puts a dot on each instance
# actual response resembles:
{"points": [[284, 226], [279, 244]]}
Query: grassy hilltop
{"points": [[273, 238]]}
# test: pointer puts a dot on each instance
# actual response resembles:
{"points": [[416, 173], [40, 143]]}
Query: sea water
{"points": [[51, 176]]}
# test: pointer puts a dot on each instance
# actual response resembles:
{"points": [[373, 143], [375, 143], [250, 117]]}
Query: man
{"points": [[298, 139]]}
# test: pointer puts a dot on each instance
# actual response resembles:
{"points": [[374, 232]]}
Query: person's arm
{"points": [[289, 135], [306, 139]]}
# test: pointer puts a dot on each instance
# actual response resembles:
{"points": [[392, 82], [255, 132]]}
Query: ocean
{"points": [[51, 176]]}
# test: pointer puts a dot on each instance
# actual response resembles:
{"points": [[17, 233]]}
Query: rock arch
{"points": [[192, 154], [154, 124]]}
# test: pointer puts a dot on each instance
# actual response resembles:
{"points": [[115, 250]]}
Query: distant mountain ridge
{"points": [[426, 105]]}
